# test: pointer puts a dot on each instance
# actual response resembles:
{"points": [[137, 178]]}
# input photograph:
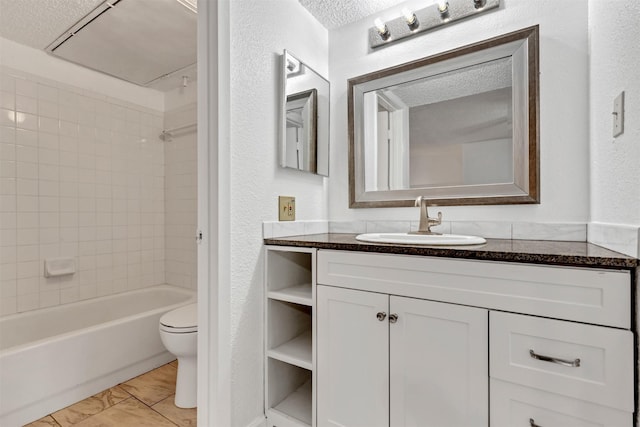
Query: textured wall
{"points": [[615, 162], [255, 179], [563, 104]]}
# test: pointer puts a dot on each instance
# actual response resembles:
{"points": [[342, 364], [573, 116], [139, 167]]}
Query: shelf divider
{"points": [[297, 351], [297, 294]]}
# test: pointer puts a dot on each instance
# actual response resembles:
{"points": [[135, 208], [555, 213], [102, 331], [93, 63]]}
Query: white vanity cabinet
{"points": [[353, 355], [547, 372], [388, 360], [545, 345]]}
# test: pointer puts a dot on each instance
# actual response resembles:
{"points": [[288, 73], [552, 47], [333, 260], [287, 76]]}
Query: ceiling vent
{"points": [[140, 41]]}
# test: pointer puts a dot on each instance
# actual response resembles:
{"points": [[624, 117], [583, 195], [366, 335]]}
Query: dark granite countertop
{"points": [[578, 254]]}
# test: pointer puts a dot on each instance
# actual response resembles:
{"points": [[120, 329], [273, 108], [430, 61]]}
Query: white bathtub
{"points": [[53, 357]]}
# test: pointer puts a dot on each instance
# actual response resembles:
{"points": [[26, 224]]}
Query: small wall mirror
{"points": [[304, 140], [459, 128]]}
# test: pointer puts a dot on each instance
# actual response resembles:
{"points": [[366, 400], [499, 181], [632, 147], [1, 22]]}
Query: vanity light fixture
{"points": [[412, 22], [383, 30], [293, 65], [479, 4], [411, 18], [443, 8]]}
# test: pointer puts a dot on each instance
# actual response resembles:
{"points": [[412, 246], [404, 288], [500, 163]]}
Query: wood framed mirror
{"points": [[458, 128]]}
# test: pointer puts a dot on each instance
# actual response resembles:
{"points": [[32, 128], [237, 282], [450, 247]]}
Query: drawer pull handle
{"points": [[571, 363], [532, 423]]}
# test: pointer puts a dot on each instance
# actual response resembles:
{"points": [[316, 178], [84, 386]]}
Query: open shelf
{"points": [[297, 294], [289, 348], [297, 405], [295, 352]]}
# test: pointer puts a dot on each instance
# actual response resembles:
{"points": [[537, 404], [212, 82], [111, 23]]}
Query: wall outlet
{"points": [[287, 208]]}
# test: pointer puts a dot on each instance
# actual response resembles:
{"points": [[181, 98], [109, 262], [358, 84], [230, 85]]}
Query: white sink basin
{"points": [[421, 239]]}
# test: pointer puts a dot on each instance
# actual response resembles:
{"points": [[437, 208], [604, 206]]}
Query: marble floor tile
{"points": [[153, 386], [90, 406], [180, 416], [128, 413], [128, 404], [47, 421]]}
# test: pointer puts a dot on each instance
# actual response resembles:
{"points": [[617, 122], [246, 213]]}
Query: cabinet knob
{"points": [[381, 315], [532, 423], [393, 318]]}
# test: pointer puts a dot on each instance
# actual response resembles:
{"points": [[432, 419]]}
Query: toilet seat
{"points": [[181, 320]]}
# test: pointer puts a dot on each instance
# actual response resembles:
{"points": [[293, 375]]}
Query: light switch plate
{"points": [[286, 208], [618, 115]]}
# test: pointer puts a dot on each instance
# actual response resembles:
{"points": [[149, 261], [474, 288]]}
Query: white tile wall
{"points": [[81, 175], [181, 199]]}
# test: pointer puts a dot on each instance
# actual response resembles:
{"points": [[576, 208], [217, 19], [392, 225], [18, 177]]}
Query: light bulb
{"points": [[380, 26], [409, 16], [382, 29]]}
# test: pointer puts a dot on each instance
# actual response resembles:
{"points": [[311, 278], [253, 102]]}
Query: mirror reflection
{"points": [[418, 141], [301, 130], [457, 128], [305, 118]]}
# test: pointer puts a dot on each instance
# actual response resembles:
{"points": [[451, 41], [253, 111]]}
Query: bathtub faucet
{"points": [[425, 222]]}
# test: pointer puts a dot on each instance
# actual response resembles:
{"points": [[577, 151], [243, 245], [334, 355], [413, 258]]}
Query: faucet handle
{"points": [[435, 221]]}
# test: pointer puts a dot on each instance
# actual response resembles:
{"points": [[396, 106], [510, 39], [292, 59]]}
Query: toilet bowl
{"points": [[179, 334]]}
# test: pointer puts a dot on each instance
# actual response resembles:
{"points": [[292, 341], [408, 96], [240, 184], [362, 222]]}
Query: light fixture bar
{"points": [[428, 18]]}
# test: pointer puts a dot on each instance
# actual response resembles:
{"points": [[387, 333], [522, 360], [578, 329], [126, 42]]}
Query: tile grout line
{"points": [[151, 407], [99, 412]]}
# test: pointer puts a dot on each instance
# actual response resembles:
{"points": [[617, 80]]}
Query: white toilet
{"points": [[179, 334]]}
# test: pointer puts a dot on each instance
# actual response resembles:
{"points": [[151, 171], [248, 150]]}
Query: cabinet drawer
{"points": [[543, 353], [582, 294], [515, 405]]}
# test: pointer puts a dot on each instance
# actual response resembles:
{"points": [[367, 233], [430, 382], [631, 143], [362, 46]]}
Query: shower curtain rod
{"points": [[168, 133]]}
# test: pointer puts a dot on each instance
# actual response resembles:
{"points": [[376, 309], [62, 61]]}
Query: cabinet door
{"points": [[353, 358], [439, 364]]}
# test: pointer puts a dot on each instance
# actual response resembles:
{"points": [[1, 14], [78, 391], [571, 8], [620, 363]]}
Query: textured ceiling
{"points": [[336, 13], [37, 23], [458, 83]]}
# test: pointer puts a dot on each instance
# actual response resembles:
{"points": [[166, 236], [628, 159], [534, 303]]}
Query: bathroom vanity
{"points": [[510, 333]]}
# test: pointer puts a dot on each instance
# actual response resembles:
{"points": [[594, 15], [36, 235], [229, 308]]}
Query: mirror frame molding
{"points": [[529, 35]]}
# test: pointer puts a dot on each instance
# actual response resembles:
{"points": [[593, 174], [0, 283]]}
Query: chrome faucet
{"points": [[425, 221]]}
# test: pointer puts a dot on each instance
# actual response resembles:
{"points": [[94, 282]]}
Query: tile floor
{"points": [[146, 400]]}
